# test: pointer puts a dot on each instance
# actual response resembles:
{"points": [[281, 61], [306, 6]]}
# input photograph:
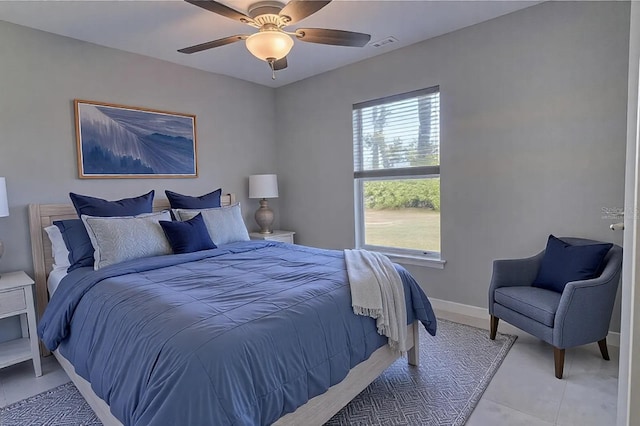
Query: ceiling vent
{"points": [[385, 41]]}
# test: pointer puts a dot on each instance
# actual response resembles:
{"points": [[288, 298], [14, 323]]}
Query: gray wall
{"points": [[40, 76], [533, 131]]}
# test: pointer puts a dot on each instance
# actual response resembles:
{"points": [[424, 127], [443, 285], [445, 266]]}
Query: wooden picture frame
{"points": [[118, 141]]}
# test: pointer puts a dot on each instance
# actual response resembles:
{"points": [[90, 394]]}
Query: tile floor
{"points": [[524, 391], [18, 381]]}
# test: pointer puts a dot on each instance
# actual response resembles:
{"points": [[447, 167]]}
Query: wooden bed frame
{"points": [[315, 412]]}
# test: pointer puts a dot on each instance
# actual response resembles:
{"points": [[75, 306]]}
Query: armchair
{"points": [[577, 316]]}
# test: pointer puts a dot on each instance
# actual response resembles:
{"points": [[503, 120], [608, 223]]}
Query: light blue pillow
{"points": [[116, 239], [225, 224]]}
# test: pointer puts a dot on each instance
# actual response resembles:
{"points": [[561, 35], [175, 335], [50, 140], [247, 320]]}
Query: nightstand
{"points": [[16, 298], [276, 235]]}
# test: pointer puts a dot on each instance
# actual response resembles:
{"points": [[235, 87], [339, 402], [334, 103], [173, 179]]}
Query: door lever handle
{"points": [[617, 226]]}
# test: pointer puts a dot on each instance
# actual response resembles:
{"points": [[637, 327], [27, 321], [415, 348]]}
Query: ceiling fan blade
{"points": [[297, 10], [212, 44], [333, 37], [221, 9], [280, 64]]}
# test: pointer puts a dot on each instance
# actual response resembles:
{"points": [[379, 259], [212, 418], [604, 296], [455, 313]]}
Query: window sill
{"points": [[406, 259]]}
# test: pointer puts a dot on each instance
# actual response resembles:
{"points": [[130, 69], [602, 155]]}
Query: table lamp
{"points": [[263, 187]]}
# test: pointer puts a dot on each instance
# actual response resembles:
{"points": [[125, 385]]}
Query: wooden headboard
{"points": [[43, 215]]}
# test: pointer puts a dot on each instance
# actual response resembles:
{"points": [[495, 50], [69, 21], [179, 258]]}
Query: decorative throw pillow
{"points": [[77, 241], [187, 236], [225, 224], [116, 239], [58, 247], [563, 263], [92, 206], [206, 201]]}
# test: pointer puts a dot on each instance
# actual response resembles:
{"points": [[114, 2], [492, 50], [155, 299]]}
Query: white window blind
{"points": [[396, 146], [398, 135]]}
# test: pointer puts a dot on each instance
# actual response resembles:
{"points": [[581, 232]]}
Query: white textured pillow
{"points": [[58, 247], [116, 239], [225, 224]]}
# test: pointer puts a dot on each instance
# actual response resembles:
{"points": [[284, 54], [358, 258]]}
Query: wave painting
{"points": [[117, 141]]}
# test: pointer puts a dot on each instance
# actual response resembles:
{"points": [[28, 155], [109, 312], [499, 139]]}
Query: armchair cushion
{"points": [[536, 303], [563, 263]]}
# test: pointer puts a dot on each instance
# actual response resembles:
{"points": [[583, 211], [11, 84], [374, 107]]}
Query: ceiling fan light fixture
{"points": [[269, 45]]}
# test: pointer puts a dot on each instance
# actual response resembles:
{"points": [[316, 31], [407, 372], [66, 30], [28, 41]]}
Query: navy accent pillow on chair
{"points": [[78, 243], [563, 263], [92, 206], [187, 236], [206, 201]]}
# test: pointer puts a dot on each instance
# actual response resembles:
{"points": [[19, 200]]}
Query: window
{"points": [[396, 144]]}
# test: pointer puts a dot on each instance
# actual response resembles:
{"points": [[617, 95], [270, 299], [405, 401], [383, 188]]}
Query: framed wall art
{"points": [[117, 141]]}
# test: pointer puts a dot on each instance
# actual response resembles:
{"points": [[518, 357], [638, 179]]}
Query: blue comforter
{"points": [[239, 335]]}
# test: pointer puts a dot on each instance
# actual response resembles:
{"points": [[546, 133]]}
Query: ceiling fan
{"points": [[272, 43]]}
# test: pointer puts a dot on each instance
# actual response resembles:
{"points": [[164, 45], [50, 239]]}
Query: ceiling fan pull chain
{"points": [[273, 68]]}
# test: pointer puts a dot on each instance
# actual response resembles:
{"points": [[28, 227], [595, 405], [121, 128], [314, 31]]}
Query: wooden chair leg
{"points": [[494, 327], [558, 357], [603, 348]]}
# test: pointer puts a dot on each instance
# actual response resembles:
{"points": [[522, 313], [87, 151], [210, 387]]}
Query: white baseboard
{"points": [[459, 308], [613, 338]]}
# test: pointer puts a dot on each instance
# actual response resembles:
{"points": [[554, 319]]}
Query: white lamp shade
{"points": [[267, 45], [263, 186], [4, 203]]}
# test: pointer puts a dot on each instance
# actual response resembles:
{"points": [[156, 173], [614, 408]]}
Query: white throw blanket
{"points": [[377, 292]]}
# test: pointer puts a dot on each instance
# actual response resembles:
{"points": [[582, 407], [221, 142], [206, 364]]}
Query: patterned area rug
{"points": [[456, 367], [61, 406]]}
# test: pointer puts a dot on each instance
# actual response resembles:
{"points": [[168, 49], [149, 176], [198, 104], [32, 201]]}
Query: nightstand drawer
{"points": [[12, 301], [281, 238]]}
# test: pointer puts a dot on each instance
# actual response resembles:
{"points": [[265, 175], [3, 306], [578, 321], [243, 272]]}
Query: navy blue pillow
{"points": [[563, 263], [92, 206], [77, 241], [187, 236], [206, 201]]}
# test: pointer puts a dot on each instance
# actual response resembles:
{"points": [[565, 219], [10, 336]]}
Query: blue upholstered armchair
{"points": [[576, 315]]}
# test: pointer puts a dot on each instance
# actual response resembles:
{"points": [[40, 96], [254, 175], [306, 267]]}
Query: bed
{"points": [[324, 397]]}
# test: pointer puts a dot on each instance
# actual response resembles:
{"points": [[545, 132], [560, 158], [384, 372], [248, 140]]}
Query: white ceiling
{"points": [[159, 28]]}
